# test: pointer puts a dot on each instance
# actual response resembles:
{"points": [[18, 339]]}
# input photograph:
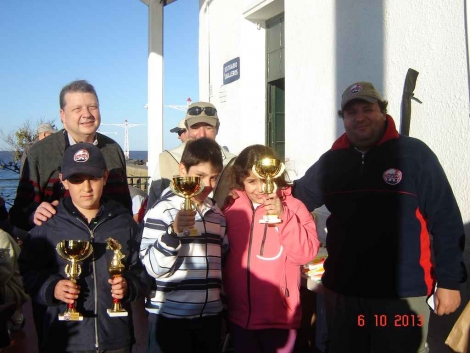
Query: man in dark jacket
{"points": [[87, 216], [39, 189], [386, 193]]}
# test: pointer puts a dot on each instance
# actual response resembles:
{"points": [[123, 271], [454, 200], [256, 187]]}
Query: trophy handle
{"points": [[281, 170]]}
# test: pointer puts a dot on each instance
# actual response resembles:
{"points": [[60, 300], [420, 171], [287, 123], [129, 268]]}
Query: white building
{"points": [[295, 57]]}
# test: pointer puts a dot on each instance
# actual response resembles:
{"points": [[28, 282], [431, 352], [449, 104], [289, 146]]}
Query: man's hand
{"points": [[118, 287], [184, 220], [66, 291], [45, 211], [446, 301]]}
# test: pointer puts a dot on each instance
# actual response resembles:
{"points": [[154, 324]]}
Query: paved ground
{"points": [[25, 341]]}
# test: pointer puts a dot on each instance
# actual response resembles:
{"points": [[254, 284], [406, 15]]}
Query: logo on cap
{"points": [[392, 176], [81, 156], [356, 88]]}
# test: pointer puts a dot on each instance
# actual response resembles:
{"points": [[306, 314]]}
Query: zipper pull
{"points": [[286, 292]]}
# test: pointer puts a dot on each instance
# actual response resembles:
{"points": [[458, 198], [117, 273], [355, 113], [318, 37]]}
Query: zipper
{"points": [[207, 265], [363, 161], [248, 284], [93, 264], [264, 240]]}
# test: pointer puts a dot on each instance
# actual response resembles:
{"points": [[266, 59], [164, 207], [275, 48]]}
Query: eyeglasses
{"points": [[198, 110], [181, 132]]}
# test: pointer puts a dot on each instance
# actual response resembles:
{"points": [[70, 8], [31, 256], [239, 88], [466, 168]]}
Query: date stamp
{"points": [[405, 320]]}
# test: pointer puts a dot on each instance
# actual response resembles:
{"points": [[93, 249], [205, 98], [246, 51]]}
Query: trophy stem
{"points": [[117, 309], [187, 204]]}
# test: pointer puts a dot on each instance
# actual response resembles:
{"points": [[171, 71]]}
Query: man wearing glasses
{"points": [[201, 120], [181, 131]]}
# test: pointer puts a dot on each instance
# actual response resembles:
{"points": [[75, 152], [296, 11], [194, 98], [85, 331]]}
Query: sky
{"points": [[45, 44]]}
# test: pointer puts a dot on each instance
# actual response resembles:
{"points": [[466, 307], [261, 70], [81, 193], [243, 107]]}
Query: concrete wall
{"points": [[329, 45]]}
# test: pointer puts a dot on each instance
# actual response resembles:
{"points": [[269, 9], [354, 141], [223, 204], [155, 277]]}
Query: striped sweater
{"points": [[186, 269]]}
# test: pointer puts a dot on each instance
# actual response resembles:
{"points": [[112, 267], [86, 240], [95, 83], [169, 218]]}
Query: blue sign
{"points": [[231, 71]]}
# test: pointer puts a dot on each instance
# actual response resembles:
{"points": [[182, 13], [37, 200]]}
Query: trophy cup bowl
{"points": [[73, 251], [115, 270], [187, 187], [269, 169]]}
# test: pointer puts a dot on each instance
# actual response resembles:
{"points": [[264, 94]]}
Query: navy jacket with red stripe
{"points": [[384, 205]]}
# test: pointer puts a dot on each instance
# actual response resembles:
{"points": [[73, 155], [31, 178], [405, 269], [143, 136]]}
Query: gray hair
{"points": [[76, 86]]}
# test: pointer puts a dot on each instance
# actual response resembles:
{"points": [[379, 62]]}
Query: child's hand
{"points": [[184, 220], [118, 287], [273, 205], [66, 291]]}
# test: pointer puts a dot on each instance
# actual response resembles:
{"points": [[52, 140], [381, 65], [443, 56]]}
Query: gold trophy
{"points": [[115, 270], [269, 169], [187, 187], [73, 251]]}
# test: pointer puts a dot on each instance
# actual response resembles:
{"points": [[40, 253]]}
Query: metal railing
{"points": [[141, 182]]}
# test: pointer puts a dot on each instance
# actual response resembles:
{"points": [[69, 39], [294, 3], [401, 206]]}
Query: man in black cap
{"points": [[386, 193], [181, 131]]}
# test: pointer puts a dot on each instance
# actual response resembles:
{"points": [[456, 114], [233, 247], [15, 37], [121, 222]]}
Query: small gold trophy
{"points": [[187, 187], [73, 251], [115, 270], [269, 169]]}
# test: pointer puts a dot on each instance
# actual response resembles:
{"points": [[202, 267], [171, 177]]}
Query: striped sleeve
{"points": [[159, 249]]}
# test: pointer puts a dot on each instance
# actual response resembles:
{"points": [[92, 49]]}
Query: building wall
{"points": [[329, 45]]}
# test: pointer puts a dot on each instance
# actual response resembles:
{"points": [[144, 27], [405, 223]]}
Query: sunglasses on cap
{"points": [[210, 111], [182, 131]]}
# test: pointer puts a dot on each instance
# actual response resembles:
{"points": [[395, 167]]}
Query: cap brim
{"points": [[211, 120], [90, 171], [176, 129], [363, 98]]}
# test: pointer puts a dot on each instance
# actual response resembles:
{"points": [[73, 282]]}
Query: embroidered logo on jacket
{"points": [[81, 156], [392, 176]]}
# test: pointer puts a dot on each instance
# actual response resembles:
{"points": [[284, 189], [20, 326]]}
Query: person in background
{"points": [[11, 287], [86, 215], [39, 189], [262, 268], [184, 303], [181, 131], [16, 233], [139, 203], [201, 121], [386, 193], [42, 132]]}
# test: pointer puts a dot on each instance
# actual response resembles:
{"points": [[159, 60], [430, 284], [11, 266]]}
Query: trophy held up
{"points": [[73, 251], [187, 187], [269, 169], [115, 270]]}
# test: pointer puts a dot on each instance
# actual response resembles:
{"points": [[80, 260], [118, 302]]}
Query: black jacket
{"points": [[384, 205], [42, 267]]}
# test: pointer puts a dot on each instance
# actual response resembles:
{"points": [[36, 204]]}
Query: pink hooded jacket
{"points": [[262, 271]]}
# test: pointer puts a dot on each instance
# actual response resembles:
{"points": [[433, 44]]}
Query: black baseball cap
{"points": [[83, 158]]}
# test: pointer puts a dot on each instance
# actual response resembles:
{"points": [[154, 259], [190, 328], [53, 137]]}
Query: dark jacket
{"points": [[42, 267], [39, 180], [384, 204]]}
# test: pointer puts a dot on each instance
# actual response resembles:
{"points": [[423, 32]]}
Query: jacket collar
{"points": [[390, 134]]}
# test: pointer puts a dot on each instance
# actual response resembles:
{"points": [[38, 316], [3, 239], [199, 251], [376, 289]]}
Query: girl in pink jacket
{"points": [[262, 270]]}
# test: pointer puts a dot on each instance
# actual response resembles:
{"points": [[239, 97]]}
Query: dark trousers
{"points": [[270, 340], [167, 335]]}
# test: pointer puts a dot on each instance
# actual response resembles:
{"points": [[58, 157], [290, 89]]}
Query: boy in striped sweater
{"points": [[184, 305]]}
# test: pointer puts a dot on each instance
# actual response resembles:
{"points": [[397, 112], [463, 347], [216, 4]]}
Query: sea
{"points": [[9, 179]]}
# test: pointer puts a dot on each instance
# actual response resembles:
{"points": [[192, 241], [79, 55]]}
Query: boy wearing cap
{"points": [[185, 298], [84, 215]]}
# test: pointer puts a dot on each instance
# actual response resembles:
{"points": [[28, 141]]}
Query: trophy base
{"points": [[113, 313], [270, 219], [70, 317]]}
